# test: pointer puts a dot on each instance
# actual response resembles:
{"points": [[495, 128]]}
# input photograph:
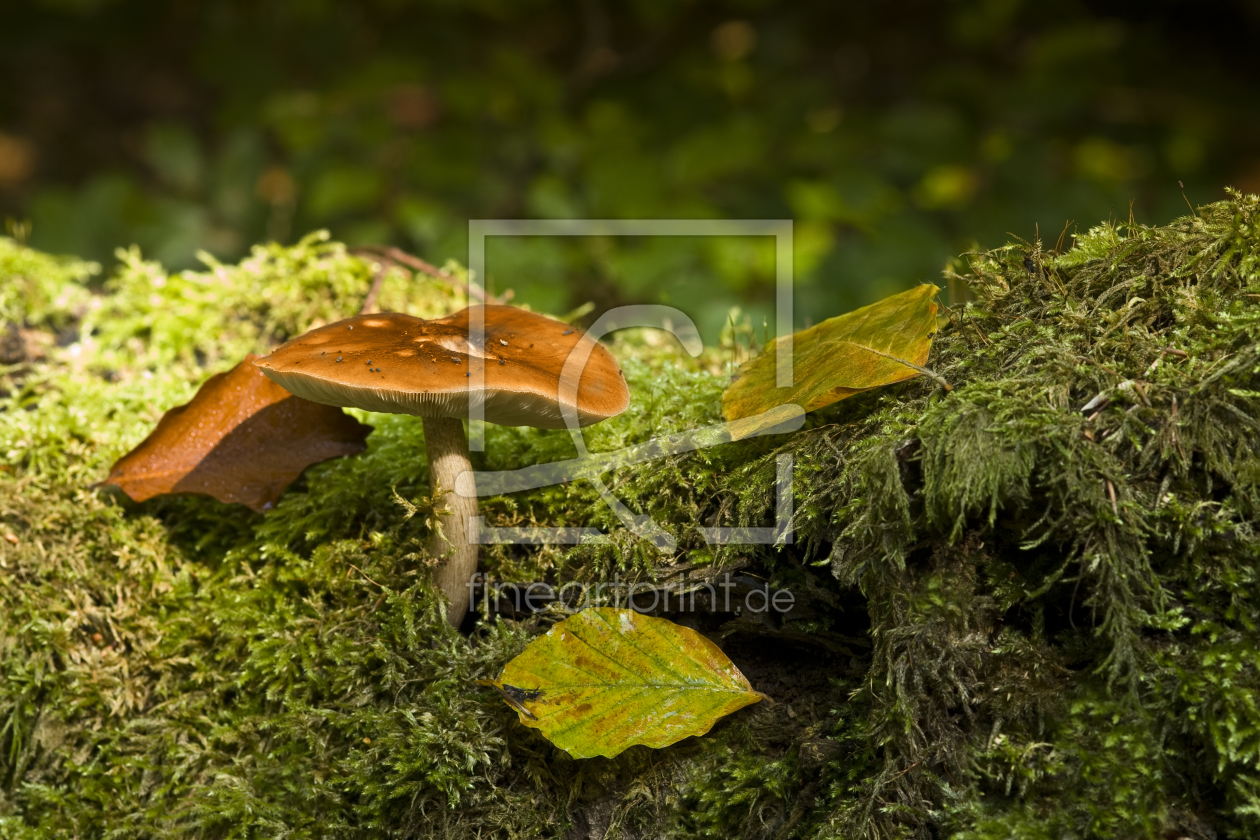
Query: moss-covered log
{"points": [[1026, 607]]}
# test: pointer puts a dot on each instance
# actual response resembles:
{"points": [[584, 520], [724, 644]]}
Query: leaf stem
{"points": [[925, 371]]}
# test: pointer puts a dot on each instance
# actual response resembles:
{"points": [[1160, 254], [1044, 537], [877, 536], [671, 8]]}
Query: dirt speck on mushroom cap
{"points": [[424, 382]]}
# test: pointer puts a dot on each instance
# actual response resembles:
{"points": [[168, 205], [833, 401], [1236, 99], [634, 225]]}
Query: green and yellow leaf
{"points": [[607, 679], [876, 345]]}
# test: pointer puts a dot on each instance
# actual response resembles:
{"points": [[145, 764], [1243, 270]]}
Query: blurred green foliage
{"points": [[894, 136]]}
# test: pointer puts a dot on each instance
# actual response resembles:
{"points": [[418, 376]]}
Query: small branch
{"points": [[399, 257], [369, 302], [976, 327], [1099, 365], [360, 571], [904, 772], [1186, 200]]}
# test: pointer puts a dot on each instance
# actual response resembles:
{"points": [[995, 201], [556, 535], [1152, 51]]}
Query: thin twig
{"points": [[1058, 245], [360, 571], [400, 257], [369, 302], [1097, 364], [904, 772], [976, 327], [1186, 200], [1072, 602], [1141, 392]]}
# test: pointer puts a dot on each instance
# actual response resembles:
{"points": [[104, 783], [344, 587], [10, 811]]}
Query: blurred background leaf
{"points": [[896, 137]]}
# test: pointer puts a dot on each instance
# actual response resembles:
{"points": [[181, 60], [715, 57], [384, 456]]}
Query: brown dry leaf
{"points": [[242, 439]]}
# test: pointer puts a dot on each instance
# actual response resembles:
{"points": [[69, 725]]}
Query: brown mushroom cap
{"points": [[400, 364]]}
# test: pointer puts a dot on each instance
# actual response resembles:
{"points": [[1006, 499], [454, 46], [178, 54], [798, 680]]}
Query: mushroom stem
{"points": [[447, 447]]}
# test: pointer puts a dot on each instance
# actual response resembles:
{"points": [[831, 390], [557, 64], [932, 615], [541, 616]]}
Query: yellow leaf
{"points": [[607, 679], [876, 345]]}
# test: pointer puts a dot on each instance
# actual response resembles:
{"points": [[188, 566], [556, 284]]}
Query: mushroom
{"points": [[424, 368]]}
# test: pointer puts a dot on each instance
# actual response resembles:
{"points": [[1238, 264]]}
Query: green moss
{"points": [[42, 290], [1017, 617]]}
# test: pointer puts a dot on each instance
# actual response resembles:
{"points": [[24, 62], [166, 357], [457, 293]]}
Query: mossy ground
{"points": [[1017, 618]]}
